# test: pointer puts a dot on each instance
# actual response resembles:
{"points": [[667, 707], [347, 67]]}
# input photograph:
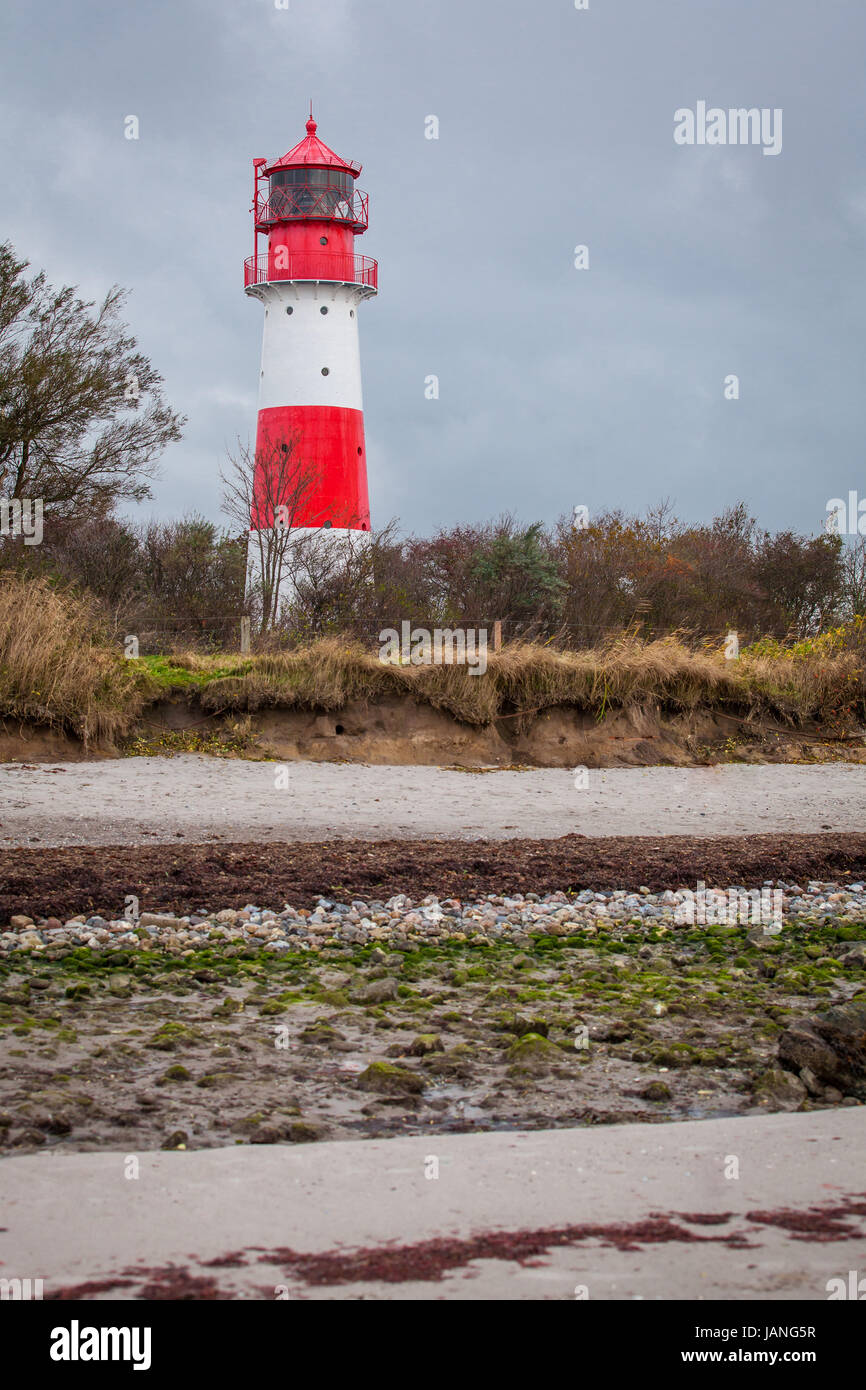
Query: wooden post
{"points": [[245, 636], [497, 636]]}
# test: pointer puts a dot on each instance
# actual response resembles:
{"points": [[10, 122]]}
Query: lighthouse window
{"points": [[360, 450], [323, 241], [290, 310], [326, 371], [324, 309], [351, 313], [327, 525], [306, 192]]}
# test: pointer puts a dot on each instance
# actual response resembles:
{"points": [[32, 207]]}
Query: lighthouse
{"points": [[311, 283]]}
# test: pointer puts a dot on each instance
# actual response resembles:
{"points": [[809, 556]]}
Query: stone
{"points": [[424, 1044], [656, 1090], [384, 1078], [379, 992], [532, 1053], [154, 919], [19, 922], [780, 1090], [178, 1139], [831, 1045]]}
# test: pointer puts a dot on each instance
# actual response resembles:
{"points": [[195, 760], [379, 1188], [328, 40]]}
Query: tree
{"points": [[82, 416], [265, 494], [854, 578], [517, 573], [803, 577]]}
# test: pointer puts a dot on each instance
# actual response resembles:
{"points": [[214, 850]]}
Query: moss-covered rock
{"points": [[384, 1078], [532, 1053], [174, 1073], [424, 1044]]}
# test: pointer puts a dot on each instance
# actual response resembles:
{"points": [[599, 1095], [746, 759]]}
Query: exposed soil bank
{"points": [[403, 731], [185, 878]]}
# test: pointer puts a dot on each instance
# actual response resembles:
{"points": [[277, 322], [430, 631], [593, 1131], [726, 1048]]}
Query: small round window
{"points": [[323, 241], [326, 371], [290, 310], [324, 309]]}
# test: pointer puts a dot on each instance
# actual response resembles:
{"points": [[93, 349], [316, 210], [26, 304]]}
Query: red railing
{"points": [[330, 204], [342, 267]]}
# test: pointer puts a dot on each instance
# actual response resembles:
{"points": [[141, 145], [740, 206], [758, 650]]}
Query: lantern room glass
{"points": [[309, 192]]}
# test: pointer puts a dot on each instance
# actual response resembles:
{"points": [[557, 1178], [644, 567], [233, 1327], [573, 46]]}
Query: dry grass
{"points": [[56, 668], [526, 678]]}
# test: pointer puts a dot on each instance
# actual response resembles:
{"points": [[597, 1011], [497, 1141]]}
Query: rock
{"points": [[19, 922], [216, 1078], [384, 1078], [615, 1032], [27, 1137], [179, 1139], [156, 919], [831, 1045], [763, 939], [379, 992], [228, 1007], [175, 1073], [656, 1090], [811, 1082], [302, 1132], [320, 1031], [780, 1090], [532, 1053], [424, 1044]]}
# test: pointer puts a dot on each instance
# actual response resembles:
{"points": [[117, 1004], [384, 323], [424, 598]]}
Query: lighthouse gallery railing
{"points": [[342, 267]]}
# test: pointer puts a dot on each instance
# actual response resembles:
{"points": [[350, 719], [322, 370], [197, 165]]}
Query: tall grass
{"points": [[527, 678], [57, 669]]}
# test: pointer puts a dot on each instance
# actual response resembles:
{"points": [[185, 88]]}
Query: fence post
{"points": [[245, 635]]}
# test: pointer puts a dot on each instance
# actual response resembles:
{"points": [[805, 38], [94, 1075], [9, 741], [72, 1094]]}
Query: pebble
{"points": [[402, 921]]}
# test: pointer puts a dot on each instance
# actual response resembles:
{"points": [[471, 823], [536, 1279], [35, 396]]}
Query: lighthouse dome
{"points": [[311, 152]]}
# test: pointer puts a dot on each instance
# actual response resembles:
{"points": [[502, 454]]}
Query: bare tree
{"points": [[267, 492], [82, 417], [854, 577]]}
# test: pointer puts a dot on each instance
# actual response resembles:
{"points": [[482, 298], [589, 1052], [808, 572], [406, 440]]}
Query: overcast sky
{"points": [[558, 386]]}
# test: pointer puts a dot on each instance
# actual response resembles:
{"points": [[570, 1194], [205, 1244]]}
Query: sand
{"points": [[147, 800], [195, 1208]]}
